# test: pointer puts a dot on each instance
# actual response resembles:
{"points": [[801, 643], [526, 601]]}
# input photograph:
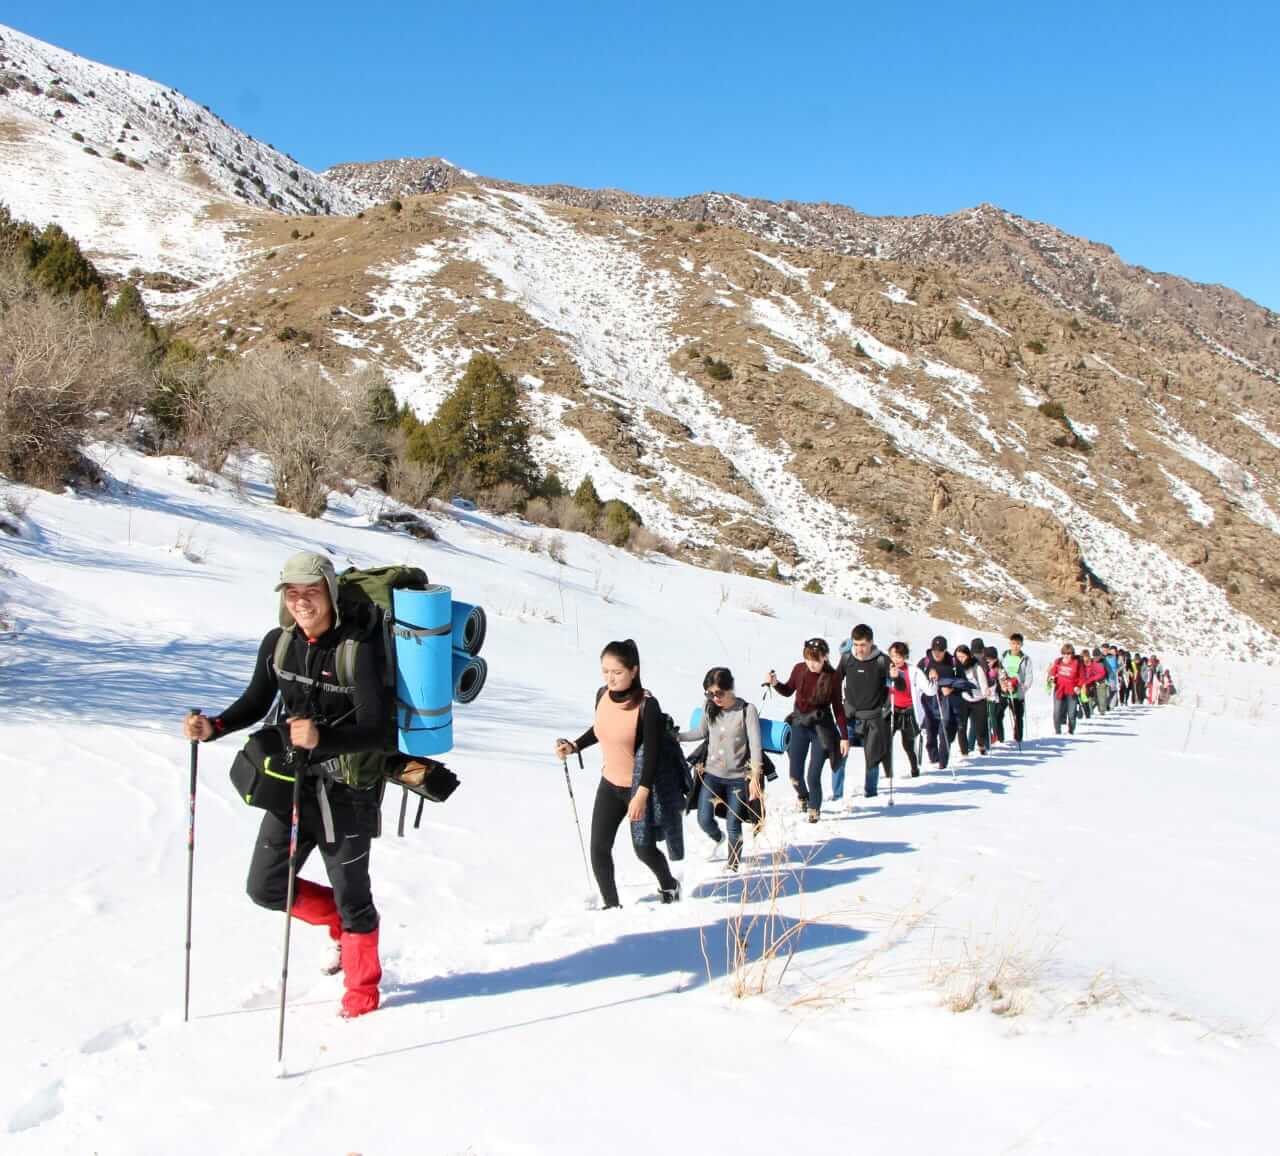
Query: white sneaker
{"points": [[333, 960], [718, 851]]}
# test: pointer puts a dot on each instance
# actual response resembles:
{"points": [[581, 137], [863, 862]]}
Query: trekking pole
{"points": [[289, 895], [573, 804], [191, 867]]}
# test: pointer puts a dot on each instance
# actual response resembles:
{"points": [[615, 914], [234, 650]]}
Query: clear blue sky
{"points": [[1154, 128]]}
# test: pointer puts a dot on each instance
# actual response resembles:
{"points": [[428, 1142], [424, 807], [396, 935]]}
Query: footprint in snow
{"points": [[39, 1109], [110, 1038]]}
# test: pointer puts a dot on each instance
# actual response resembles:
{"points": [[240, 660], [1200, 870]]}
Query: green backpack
{"points": [[365, 596]]}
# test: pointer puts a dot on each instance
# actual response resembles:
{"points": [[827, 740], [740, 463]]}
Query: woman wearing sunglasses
{"points": [[814, 733], [734, 768]]}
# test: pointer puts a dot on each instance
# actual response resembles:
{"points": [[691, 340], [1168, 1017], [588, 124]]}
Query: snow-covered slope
{"points": [[141, 175], [1110, 898]]}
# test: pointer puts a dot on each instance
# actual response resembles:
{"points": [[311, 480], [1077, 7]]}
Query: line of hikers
{"points": [[1102, 679], [973, 696], [335, 706]]}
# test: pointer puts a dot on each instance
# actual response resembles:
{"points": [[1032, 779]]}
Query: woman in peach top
{"points": [[628, 721]]}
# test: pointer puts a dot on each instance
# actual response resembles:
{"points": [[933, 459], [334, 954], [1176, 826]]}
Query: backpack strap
{"points": [[345, 683], [344, 661]]}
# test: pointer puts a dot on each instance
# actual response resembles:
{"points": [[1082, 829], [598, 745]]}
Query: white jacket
{"points": [[976, 674]]}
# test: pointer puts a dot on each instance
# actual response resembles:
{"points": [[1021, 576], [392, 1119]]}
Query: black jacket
{"points": [[866, 683], [351, 720]]}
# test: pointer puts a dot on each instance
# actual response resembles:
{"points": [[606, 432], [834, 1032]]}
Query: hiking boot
{"points": [[802, 804], [717, 852], [333, 959], [670, 894], [813, 815]]}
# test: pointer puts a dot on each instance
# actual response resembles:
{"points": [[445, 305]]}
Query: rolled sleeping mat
{"points": [[424, 670], [776, 736], [469, 675], [470, 625]]}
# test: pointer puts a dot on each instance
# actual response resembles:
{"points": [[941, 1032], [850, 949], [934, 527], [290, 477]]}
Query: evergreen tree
{"points": [[479, 428], [129, 305], [586, 498], [383, 409], [617, 518]]}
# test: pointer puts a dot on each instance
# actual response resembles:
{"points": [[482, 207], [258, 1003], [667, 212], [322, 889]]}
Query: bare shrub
{"points": [[61, 364], [306, 423], [210, 430], [555, 549], [762, 608], [1001, 970], [571, 516], [723, 561], [412, 483], [539, 512], [504, 498], [642, 541]]}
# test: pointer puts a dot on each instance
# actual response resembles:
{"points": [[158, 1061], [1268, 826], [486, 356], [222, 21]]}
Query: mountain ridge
{"points": [[946, 415]]}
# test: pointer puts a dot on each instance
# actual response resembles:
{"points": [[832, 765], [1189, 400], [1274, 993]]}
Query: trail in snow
{"points": [[1099, 880]]}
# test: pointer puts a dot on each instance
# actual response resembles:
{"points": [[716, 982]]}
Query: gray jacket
{"points": [[733, 741]]}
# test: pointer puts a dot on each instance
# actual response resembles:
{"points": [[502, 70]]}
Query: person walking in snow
{"points": [[1111, 661], [1017, 675], [334, 735], [977, 730], [864, 671], [939, 667], [628, 726], [1096, 681], [815, 733], [996, 703], [970, 698], [908, 686], [732, 773], [1065, 678], [1153, 680]]}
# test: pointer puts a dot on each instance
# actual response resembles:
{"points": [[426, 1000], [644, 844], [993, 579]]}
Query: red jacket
{"points": [[1067, 677], [1094, 672]]}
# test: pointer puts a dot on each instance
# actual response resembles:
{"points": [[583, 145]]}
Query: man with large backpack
{"points": [[865, 671], [324, 663]]}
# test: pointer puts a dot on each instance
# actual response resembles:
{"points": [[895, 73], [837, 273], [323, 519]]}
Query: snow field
{"points": [[1117, 888]]}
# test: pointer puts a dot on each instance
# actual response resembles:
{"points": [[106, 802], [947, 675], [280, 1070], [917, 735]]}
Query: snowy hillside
{"points": [[627, 314], [1066, 948], [903, 421], [138, 173]]}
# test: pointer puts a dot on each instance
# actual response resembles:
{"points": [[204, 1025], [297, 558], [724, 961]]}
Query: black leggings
{"points": [[904, 720], [606, 817], [1019, 708]]}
